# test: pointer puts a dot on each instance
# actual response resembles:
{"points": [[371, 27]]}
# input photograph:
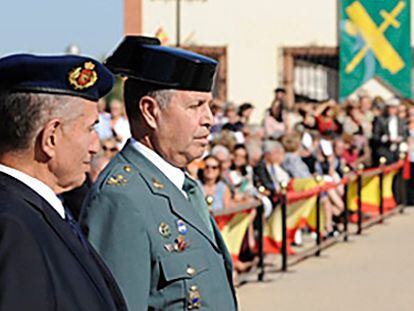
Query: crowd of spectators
{"points": [[301, 141]]}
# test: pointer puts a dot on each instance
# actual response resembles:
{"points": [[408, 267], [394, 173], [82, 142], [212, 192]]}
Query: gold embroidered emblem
{"points": [[81, 78]]}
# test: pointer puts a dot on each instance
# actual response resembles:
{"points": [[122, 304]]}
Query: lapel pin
{"points": [[157, 184], [181, 227], [169, 247], [164, 230], [180, 244]]}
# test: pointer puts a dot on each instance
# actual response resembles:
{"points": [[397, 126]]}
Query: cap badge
{"points": [[83, 77]]}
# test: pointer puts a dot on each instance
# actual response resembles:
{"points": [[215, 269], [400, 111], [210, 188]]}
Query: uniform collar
{"points": [[174, 174], [36, 185]]}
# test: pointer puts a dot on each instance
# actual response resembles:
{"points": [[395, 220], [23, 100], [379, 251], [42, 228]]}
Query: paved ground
{"points": [[372, 272]]}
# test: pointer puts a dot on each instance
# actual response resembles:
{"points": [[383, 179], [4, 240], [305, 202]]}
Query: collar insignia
{"points": [[157, 184]]}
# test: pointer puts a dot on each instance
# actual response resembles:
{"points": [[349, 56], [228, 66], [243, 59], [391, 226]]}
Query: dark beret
{"points": [[162, 67], [65, 75]]}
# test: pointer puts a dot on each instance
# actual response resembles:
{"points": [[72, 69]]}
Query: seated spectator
{"points": [[333, 204], [234, 125], [325, 117], [308, 118], [255, 153], [212, 184], [103, 128], [269, 172], [240, 178], [109, 147], [119, 124], [339, 161], [273, 122], [244, 112], [306, 151], [293, 163], [353, 120], [367, 113], [218, 115], [253, 133], [223, 155], [225, 138]]}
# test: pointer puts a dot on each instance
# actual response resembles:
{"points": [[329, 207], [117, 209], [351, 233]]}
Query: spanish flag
{"points": [[300, 211], [233, 228], [370, 194]]}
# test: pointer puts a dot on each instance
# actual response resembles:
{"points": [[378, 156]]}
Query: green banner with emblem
{"points": [[375, 41]]}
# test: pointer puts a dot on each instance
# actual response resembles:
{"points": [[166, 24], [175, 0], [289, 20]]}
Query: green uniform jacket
{"points": [[131, 215]]}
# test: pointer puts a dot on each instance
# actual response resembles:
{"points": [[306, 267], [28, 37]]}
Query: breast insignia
{"points": [[164, 230], [194, 298]]}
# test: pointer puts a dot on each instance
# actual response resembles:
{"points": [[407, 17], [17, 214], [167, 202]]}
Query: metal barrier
{"points": [[285, 197]]}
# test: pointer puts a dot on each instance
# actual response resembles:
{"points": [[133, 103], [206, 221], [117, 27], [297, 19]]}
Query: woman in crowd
{"points": [[325, 117], [273, 122], [240, 178], [213, 186]]}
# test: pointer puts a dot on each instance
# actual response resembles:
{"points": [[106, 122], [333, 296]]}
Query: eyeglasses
{"points": [[213, 167], [112, 149]]}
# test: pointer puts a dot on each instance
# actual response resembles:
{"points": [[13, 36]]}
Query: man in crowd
{"points": [[389, 133], [269, 173], [145, 215], [48, 110]]}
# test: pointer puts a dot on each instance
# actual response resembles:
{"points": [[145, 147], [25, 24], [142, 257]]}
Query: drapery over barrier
{"points": [[367, 194]]}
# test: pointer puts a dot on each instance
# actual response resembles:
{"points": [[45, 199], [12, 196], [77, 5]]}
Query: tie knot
{"points": [[189, 185]]}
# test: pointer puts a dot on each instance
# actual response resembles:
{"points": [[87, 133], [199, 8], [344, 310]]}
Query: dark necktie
{"points": [[74, 226], [196, 198]]}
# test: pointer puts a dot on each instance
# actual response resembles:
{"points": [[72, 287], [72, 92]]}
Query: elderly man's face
{"points": [[183, 127], [76, 143]]}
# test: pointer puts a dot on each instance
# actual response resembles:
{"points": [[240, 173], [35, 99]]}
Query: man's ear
{"points": [[149, 110], [50, 136]]}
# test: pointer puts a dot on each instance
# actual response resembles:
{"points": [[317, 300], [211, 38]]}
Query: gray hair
{"points": [[220, 149], [270, 145], [24, 114], [163, 97], [134, 90]]}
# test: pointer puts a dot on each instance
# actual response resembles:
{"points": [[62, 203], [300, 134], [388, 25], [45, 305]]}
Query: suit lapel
{"points": [[60, 227], [162, 186]]}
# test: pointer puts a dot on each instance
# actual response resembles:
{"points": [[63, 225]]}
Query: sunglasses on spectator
{"points": [[112, 149], [213, 167]]}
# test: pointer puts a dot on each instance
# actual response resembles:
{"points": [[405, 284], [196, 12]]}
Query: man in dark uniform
{"points": [[145, 215], [48, 110]]}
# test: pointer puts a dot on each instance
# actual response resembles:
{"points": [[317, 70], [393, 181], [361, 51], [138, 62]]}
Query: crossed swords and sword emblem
{"points": [[375, 38]]}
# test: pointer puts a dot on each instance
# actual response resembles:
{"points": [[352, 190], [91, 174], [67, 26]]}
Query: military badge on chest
{"points": [[179, 244], [194, 298]]}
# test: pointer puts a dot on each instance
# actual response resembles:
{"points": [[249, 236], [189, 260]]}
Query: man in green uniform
{"points": [[145, 215]]}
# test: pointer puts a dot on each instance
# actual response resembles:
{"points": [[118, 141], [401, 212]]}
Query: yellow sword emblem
{"points": [[375, 38]]}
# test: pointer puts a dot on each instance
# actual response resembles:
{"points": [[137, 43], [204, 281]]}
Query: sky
{"points": [[50, 26]]}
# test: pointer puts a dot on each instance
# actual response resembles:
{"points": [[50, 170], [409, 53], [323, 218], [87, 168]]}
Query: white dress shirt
{"points": [[36, 185], [174, 174], [393, 128]]}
